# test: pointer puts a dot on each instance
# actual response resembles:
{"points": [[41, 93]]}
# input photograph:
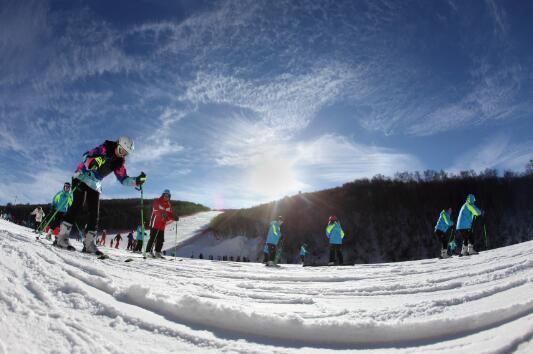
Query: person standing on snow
{"points": [[464, 224], [335, 234], [129, 247], [117, 239], [61, 202], [103, 237], [303, 253], [443, 229], [87, 182], [39, 216], [161, 216], [272, 241], [139, 238]]}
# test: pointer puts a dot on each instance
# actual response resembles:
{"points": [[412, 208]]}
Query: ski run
{"points": [[56, 301]]}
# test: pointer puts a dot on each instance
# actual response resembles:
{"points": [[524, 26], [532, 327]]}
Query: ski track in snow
{"points": [[55, 301]]}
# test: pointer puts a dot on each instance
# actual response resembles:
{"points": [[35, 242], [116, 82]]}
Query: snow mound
{"points": [[58, 301]]}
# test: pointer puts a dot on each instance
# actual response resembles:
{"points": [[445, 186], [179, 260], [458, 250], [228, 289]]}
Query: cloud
{"points": [[495, 152], [38, 186], [336, 159]]}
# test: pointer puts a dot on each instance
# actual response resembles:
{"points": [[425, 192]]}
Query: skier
{"points": [[303, 253], [442, 230], [161, 216], [39, 216], [103, 238], [273, 237], [464, 224], [130, 242], [335, 234], [61, 202], [117, 239], [87, 180], [140, 238]]}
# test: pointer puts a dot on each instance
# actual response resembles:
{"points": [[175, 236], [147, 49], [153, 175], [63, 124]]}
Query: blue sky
{"points": [[233, 103]]}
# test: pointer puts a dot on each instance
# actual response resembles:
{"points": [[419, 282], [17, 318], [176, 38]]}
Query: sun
{"points": [[273, 177]]}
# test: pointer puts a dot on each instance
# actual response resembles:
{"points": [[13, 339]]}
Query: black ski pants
{"points": [[272, 249], [57, 220], [84, 195], [466, 235], [443, 236], [139, 246], [335, 253], [157, 237]]}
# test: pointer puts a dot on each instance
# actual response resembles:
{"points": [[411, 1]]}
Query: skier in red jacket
{"points": [[161, 216]]}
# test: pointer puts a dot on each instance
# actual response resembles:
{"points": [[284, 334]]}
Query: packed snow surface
{"points": [[58, 301]]}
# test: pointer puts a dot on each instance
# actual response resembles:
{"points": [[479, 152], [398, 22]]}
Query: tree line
{"points": [[115, 214]]}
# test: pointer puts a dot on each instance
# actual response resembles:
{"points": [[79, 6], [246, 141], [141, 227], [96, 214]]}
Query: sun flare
{"points": [[273, 177]]}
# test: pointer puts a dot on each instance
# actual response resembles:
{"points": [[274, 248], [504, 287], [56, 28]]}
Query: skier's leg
{"points": [[470, 247], [331, 254], [159, 242], [93, 203], [151, 240], [271, 254], [339, 254]]}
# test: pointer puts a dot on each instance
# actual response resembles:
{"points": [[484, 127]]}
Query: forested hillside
{"points": [[115, 214], [392, 219]]}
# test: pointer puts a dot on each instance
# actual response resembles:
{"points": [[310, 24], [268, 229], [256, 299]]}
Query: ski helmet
{"points": [[126, 143], [332, 218], [167, 192]]}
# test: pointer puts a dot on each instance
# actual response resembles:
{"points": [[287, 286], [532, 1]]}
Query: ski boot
{"points": [[444, 254], [471, 250], [63, 237], [158, 255], [88, 244], [464, 250]]}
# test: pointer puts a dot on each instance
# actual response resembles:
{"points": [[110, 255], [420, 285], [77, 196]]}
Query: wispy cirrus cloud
{"points": [[499, 152]]}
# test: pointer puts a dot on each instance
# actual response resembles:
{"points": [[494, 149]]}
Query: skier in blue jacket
{"points": [[273, 237], [303, 253], [60, 202], [335, 234], [442, 229], [464, 224]]}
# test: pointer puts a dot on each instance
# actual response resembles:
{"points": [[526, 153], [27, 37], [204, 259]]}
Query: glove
{"points": [[96, 163], [139, 181]]}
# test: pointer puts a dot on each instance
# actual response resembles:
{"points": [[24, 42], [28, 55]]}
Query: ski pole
{"points": [[82, 236], [142, 218], [41, 227], [176, 240], [485, 233]]}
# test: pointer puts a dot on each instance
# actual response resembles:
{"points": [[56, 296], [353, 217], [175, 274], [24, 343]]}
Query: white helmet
{"points": [[126, 143]]}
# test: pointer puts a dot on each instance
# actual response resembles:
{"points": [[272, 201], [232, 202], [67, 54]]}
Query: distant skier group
{"points": [[444, 228], [272, 248], [335, 234]]}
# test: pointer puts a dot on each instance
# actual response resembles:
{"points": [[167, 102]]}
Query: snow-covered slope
{"points": [[63, 302]]}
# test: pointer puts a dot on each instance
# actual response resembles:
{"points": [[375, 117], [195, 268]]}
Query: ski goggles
{"points": [[121, 151]]}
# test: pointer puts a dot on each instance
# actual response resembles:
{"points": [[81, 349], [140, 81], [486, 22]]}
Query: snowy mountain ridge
{"points": [[68, 302]]}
